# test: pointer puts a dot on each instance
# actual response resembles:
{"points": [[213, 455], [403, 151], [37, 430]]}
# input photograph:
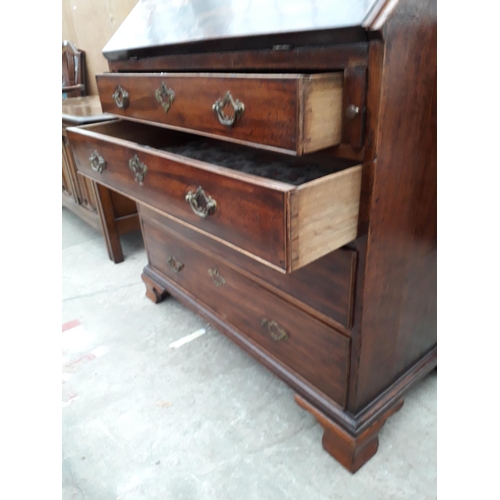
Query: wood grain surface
{"points": [[250, 213], [313, 350], [324, 215], [254, 213], [155, 28], [314, 59], [399, 296], [295, 113], [324, 288], [109, 212]]}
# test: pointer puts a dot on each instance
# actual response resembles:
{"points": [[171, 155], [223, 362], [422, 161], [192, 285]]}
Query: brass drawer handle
{"points": [[165, 96], [175, 264], [138, 168], [201, 204], [97, 162], [121, 97], [277, 333], [238, 108], [216, 277]]}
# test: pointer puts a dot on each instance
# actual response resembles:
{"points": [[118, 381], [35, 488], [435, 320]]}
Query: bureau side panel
{"points": [[399, 298]]}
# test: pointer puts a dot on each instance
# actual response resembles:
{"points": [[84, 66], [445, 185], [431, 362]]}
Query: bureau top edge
{"points": [[156, 28]]}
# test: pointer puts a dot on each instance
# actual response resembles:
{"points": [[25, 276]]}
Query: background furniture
{"points": [[111, 213], [73, 71], [286, 186]]}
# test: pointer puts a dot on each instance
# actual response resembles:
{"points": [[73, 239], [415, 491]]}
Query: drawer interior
{"points": [[294, 171]]}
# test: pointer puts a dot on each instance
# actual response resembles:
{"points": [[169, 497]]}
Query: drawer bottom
{"points": [[286, 337]]}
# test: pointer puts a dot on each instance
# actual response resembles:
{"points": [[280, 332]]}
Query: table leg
{"points": [[108, 221]]}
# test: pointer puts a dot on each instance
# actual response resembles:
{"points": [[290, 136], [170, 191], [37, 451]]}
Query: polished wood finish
{"points": [[373, 96], [73, 70], [265, 358], [352, 451], [68, 182], [111, 234], [353, 424], [84, 110], [377, 302], [279, 224], [355, 80], [154, 291], [387, 398], [378, 15], [155, 28], [240, 201], [109, 212], [313, 350], [77, 192], [324, 288], [398, 322], [321, 58], [282, 112]]}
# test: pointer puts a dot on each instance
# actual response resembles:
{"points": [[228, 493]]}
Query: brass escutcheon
{"points": [[175, 264], [238, 108], [277, 333], [216, 277], [138, 168], [97, 162], [165, 96], [121, 97], [201, 204]]}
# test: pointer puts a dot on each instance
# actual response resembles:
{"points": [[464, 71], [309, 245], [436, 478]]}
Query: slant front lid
{"points": [[156, 27]]}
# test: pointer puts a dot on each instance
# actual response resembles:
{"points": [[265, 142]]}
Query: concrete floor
{"points": [[204, 421]]}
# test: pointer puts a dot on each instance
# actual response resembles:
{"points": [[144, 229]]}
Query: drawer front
{"points": [[250, 216], [326, 285], [295, 113], [313, 350], [239, 196]]}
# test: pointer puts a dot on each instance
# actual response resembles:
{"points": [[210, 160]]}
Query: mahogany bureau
{"points": [[284, 166]]}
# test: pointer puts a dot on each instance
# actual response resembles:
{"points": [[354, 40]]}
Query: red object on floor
{"points": [[77, 364], [70, 324]]}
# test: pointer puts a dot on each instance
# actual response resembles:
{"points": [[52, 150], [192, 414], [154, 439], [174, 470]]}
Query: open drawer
{"points": [[296, 114], [282, 211]]}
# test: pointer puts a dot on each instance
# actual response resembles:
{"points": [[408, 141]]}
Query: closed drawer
{"points": [[310, 348], [294, 113], [285, 212], [323, 288]]}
